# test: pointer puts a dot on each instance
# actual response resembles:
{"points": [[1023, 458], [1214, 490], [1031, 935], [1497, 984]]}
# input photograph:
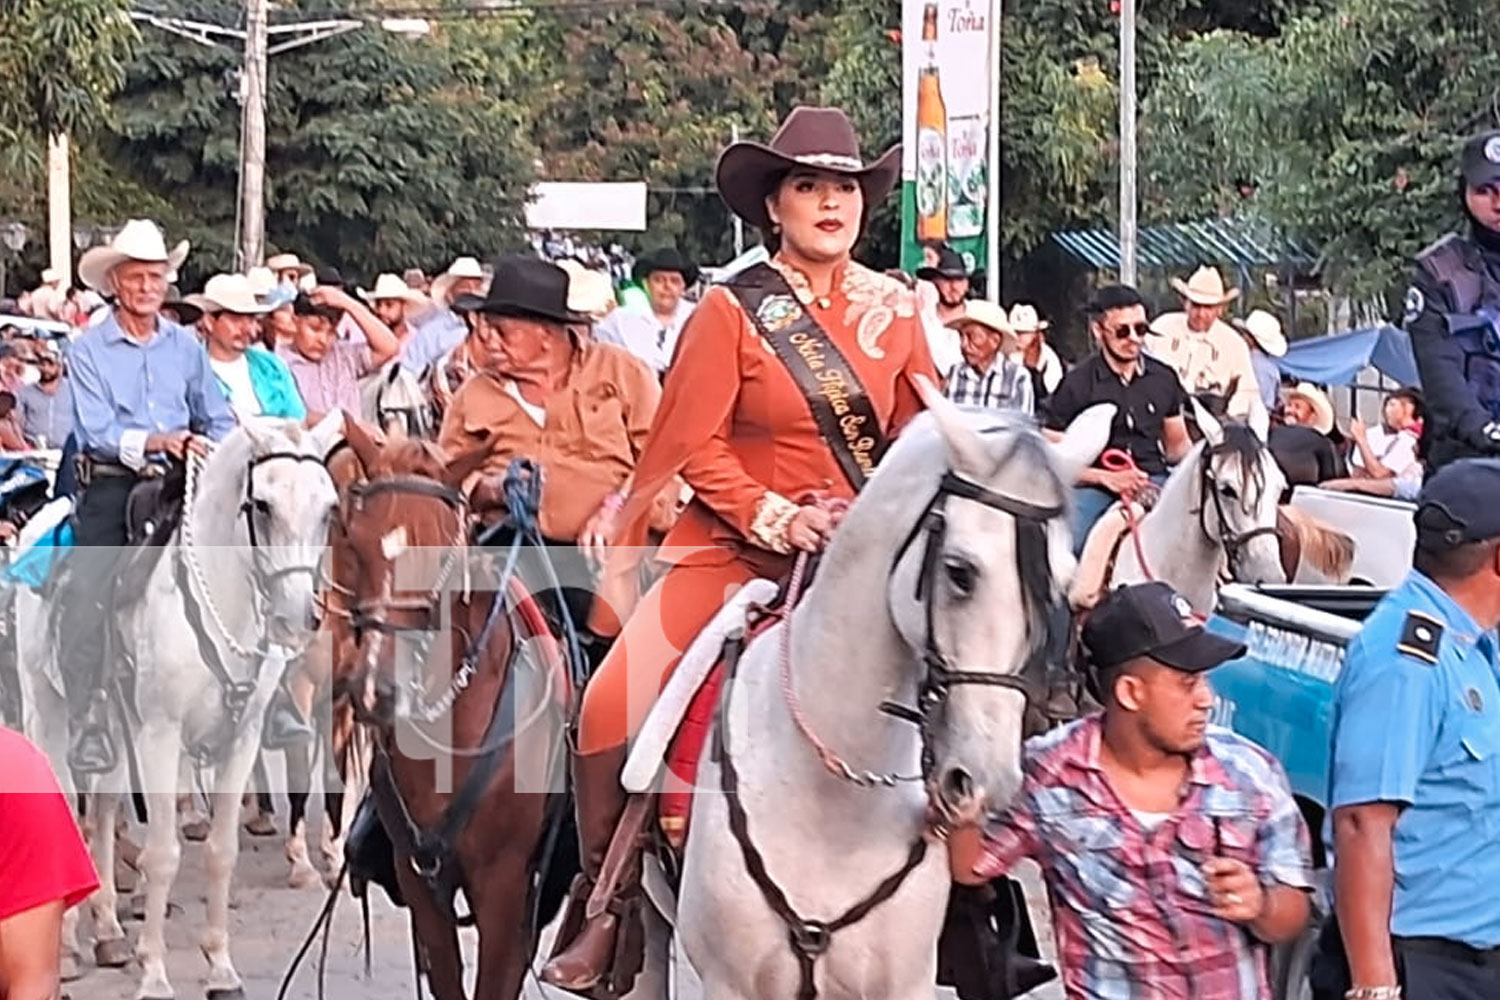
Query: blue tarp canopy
{"points": [[1336, 360]]}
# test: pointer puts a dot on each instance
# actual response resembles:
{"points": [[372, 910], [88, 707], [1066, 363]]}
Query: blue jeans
{"points": [[1089, 504]]}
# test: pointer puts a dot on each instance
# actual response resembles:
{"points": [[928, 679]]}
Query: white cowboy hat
{"points": [[463, 267], [138, 239], [288, 262], [986, 314], [589, 292], [1024, 318], [388, 286], [51, 276], [261, 280], [230, 293], [1205, 288], [1322, 408], [1265, 330]]}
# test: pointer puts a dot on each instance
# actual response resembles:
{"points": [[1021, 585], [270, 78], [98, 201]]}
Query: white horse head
{"points": [[1239, 490], [270, 476], [968, 512], [396, 401]]}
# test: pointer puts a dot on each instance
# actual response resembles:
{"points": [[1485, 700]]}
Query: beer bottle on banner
{"points": [[932, 139]]}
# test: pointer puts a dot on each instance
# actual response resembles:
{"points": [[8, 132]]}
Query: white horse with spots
{"points": [[230, 594], [934, 594]]}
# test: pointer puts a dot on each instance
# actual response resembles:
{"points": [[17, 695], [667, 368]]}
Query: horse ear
{"points": [[1084, 439], [966, 452], [1259, 420], [328, 432], [1213, 431], [259, 435], [364, 447], [459, 469]]}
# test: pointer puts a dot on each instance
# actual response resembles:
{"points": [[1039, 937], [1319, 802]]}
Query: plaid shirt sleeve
{"points": [[1012, 838], [1285, 846]]}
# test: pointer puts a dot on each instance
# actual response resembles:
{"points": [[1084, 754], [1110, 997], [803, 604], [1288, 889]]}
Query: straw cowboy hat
{"points": [[289, 262], [1322, 408], [525, 287], [1265, 330], [231, 293], [818, 138], [1205, 288], [388, 286], [590, 293], [1025, 319], [987, 315], [138, 240], [463, 267]]}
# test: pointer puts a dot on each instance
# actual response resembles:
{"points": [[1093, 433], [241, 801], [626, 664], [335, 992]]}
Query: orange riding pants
{"points": [[669, 617]]}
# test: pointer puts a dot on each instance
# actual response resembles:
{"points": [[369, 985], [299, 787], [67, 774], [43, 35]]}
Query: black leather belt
{"points": [[1455, 951]]}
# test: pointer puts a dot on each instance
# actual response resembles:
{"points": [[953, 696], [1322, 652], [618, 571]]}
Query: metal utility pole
{"points": [[739, 224], [1127, 143], [992, 223], [253, 141]]}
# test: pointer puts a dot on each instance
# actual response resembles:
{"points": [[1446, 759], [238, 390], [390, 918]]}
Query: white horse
{"points": [[1217, 512], [933, 594], [239, 574], [396, 401]]}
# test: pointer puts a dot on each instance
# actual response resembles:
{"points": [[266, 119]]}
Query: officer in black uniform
{"points": [[1451, 311]]}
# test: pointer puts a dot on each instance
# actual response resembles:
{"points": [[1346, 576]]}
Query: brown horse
{"points": [[466, 694]]}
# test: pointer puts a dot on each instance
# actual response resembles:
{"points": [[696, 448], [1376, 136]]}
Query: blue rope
{"points": [[522, 489]]}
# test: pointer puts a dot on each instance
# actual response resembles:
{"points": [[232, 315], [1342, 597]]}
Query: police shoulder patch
{"points": [[1413, 305], [1421, 637]]}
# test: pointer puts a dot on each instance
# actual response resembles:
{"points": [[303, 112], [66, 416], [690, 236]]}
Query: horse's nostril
{"points": [[958, 785]]}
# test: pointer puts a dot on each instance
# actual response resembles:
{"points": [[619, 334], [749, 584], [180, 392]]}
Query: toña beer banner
{"points": [[947, 90]]}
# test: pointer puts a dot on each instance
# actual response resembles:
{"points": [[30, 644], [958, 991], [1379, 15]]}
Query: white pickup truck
{"points": [[1382, 530]]}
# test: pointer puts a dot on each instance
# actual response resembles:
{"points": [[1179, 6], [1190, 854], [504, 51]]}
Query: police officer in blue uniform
{"points": [[1451, 308], [1416, 761]]}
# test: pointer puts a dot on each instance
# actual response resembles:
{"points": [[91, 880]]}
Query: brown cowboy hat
{"points": [[818, 138]]}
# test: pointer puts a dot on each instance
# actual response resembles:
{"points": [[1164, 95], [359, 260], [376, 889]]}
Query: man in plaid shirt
{"points": [[987, 377], [1173, 852]]}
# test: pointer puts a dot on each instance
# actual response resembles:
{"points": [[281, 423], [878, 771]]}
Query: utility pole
{"points": [[992, 168], [1127, 143], [253, 152], [60, 209], [739, 224]]}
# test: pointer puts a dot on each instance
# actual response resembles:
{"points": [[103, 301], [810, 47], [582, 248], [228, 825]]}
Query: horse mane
{"points": [[1241, 441], [1328, 550], [410, 457]]}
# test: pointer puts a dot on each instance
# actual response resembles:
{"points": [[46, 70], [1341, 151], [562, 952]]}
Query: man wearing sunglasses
{"points": [[1148, 400]]}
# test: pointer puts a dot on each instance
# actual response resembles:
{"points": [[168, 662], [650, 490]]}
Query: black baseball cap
{"points": [[1481, 160], [1152, 619], [1457, 505]]}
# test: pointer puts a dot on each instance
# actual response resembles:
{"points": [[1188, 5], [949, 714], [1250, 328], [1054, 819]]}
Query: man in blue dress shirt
{"points": [[143, 394], [1416, 761]]}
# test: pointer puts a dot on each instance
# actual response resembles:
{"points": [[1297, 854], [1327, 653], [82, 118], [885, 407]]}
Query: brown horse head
{"points": [[406, 530]]}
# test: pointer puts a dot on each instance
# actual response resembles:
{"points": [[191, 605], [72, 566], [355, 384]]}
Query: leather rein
{"points": [[809, 938]]}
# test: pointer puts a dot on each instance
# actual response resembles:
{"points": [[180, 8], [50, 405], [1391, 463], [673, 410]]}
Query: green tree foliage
{"points": [[382, 150], [1348, 124], [60, 60]]}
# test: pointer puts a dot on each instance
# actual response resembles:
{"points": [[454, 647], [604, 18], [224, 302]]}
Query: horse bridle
{"points": [[810, 938], [252, 503], [1232, 544], [940, 675], [371, 615]]}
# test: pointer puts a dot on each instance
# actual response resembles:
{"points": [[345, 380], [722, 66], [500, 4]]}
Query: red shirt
{"points": [[42, 855]]}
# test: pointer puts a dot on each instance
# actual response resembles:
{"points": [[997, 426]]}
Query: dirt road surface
{"points": [[269, 922]]}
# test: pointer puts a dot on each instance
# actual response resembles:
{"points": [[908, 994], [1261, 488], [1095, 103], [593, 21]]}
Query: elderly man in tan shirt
{"points": [[578, 409], [1207, 354]]}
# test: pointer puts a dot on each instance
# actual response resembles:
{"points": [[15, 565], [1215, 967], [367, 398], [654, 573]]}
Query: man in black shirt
{"points": [[1147, 395]]}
